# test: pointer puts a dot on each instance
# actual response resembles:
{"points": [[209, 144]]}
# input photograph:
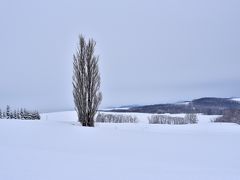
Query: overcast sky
{"points": [[150, 51]]}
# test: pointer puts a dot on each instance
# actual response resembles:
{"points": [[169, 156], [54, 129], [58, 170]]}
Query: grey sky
{"points": [[150, 51]]}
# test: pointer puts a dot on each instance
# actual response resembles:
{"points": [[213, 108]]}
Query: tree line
{"points": [[164, 119], [22, 113], [230, 116], [115, 118]]}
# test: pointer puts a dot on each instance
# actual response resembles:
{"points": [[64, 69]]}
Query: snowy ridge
{"points": [[183, 103]]}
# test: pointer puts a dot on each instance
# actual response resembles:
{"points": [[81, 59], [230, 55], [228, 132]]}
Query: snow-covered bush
{"points": [[115, 118], [191, 118], [232, 116], [164, 119]]}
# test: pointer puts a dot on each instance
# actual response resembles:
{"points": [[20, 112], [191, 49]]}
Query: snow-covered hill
{"points": [[57, 148], [236, 99]]}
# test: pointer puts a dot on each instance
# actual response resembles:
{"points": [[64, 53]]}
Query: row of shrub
{"points": [[19, 114], [154, 119], [163, 119], [232, 116], [115, 118]]}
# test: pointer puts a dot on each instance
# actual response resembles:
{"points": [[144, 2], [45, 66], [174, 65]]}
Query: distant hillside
{"points": [[206, 105]]}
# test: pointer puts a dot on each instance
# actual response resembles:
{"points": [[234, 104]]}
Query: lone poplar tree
{"points": [[86, 82]]}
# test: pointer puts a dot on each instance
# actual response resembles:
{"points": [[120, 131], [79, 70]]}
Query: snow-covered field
{"points": [[57, 148]]}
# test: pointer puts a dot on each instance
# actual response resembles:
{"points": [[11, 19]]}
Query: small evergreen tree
{"points": [[36, 115], [25, 114], [8, 112], [15, 114], [18, 114], [11, 115], [21, 114], [4, 115]]}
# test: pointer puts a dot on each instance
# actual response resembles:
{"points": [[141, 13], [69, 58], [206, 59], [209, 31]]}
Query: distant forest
{"points": [[21, 113], [207, 105]]}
